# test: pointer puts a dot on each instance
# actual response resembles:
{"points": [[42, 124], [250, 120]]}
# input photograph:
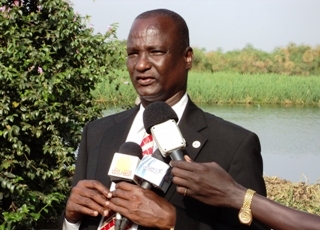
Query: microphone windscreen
{"points": [[131, 148], [156, 113]]}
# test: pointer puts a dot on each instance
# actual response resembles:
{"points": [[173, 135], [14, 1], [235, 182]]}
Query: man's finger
{"points": [[94, 185], [182, 165]]}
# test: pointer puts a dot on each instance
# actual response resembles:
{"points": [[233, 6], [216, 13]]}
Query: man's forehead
{"points": [[143, 30], [153, 27], [158, 22]]}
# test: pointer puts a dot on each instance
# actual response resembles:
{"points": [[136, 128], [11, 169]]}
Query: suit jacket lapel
{"points": [[192, 122]]}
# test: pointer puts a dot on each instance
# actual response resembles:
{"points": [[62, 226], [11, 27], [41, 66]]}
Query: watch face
{"points": [[245, 216]]}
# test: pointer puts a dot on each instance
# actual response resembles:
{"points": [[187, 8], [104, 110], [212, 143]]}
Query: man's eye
{"points": [[133, 54], [157, 52]]}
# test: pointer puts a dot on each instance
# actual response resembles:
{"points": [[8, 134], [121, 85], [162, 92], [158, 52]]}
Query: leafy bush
{"points": [[50, 60]]}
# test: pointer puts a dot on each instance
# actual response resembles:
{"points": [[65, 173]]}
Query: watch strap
{"points": [[245, 215]]}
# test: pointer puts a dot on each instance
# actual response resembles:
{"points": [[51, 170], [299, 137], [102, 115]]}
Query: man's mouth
{"points": [[144, 81]]}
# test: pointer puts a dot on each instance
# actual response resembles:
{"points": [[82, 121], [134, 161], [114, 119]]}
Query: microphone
{"points": [[168, 177], [160, 120], [122, 168], [125, 162], [152, 170]]}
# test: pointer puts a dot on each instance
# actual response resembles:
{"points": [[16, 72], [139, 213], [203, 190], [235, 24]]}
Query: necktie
{"points": [[147, 144]]}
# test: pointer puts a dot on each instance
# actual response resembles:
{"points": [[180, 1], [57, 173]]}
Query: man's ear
{"points": [[189, 57]]}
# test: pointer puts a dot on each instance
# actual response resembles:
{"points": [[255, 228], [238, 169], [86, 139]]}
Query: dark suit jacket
{"points": [[234, 148]]}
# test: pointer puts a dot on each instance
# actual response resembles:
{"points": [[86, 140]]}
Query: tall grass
{"points": [[222, 87], [253, 89]]}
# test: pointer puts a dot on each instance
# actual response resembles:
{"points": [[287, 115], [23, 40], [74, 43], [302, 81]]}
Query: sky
{"points": [[219, 24]]}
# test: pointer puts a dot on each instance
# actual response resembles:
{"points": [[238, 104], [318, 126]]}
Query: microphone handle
{"points": [[124, 223], [117, 221], [177, 155], [146, 185]]}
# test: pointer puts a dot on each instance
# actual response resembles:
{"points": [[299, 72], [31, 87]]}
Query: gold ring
{"points": [[185, 192]]}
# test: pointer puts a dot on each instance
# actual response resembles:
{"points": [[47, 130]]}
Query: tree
{"points": [[50, 60]]}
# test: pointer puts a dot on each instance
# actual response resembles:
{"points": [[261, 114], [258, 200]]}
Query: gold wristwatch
{"points": [[245, 215]]}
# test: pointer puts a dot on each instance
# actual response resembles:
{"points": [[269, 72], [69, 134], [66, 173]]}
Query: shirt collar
{"points": [[180, 106]]}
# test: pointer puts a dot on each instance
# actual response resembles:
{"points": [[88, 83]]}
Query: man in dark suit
{"points": [[158, 61]]}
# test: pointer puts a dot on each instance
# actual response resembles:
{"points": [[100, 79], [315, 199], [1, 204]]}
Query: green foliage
{"points": [[50, 61], [123, 94], [199, 60], [291, 60]]}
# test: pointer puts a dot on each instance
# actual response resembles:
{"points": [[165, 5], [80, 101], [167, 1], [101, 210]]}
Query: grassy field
{"points": [[234, 88]]}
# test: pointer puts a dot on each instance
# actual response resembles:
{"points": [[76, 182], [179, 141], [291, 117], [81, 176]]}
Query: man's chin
{"points": [[151, 98]]}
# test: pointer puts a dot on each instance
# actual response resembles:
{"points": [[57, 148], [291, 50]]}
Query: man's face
{"points": [[157, 66]]}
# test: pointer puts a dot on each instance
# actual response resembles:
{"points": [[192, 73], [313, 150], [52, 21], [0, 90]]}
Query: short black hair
{"points": [[180, 23]]}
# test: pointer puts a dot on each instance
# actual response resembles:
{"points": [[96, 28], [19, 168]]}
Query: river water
{"points": [[289, 136]]}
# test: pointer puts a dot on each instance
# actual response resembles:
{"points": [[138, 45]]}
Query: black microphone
{"points": [[122, 168], [160, 120]]}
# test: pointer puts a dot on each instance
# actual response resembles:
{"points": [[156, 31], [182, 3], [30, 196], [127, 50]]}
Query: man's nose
{"points": [[143, 62]]}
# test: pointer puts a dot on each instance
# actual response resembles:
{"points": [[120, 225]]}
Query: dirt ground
{"points": [[298, 195]]}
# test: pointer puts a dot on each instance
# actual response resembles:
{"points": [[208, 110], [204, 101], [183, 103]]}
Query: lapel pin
{"points": [[196, 144]]}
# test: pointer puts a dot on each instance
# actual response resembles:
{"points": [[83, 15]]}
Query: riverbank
{"points": [[226, 88], [300, 195]]}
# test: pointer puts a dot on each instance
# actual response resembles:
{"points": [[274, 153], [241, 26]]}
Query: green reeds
{"points": [[231, 88], [238, 88]]}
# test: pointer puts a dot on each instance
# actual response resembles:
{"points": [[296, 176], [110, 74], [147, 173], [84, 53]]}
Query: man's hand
{"points": [[142, 206], [88, 197], [207, 182]]}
